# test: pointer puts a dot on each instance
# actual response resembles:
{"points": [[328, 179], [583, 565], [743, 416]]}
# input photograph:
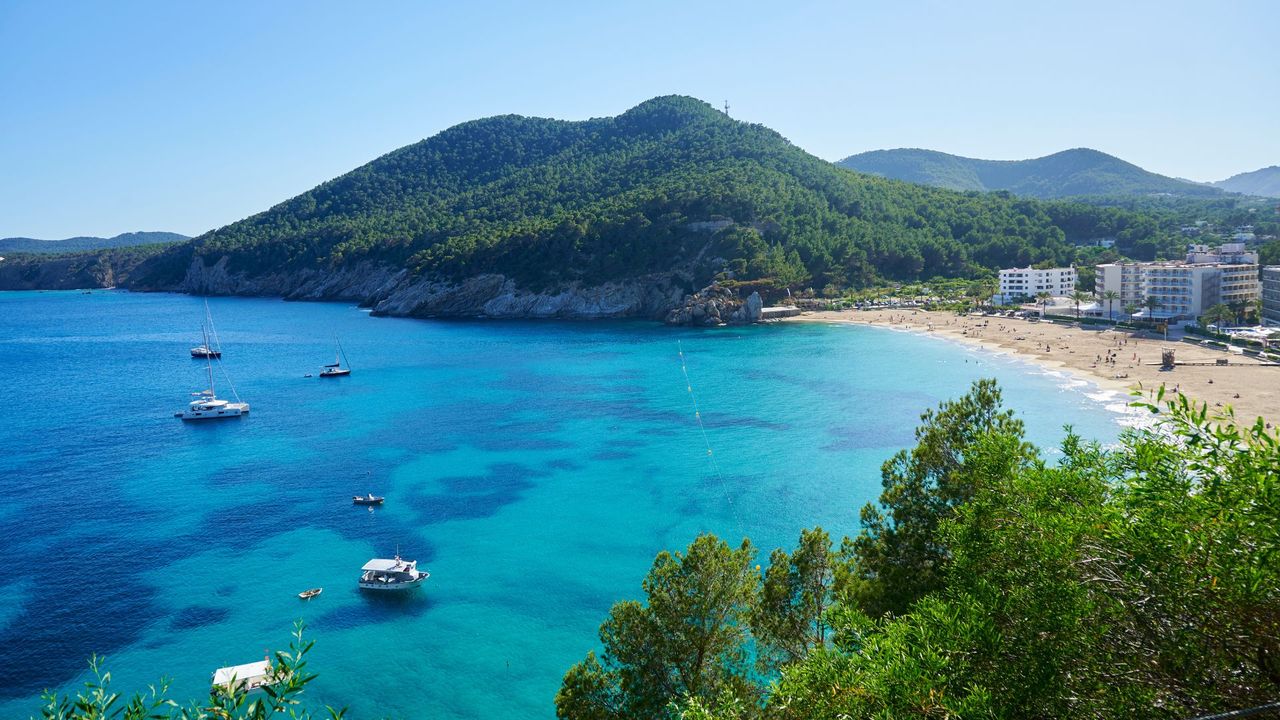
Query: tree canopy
{"points": [[1136, 581]]}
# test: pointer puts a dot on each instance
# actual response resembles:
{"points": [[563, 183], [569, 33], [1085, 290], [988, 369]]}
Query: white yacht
{"points": [[207, 405], [394, 574], [207, 350]]}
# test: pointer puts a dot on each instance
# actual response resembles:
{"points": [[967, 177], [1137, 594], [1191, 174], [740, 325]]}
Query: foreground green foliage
{"points": [[1141, 581], [687, 642], [900, 556], [279, 698]]}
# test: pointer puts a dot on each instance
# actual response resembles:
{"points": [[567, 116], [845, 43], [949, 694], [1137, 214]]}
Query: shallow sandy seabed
{"points": [[1247, 386]]}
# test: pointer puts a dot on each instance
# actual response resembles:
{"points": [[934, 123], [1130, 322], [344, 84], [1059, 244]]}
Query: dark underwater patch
{"points": [[475, 496], [375, 607], [197, 616], [605, 455], [55, 633]]}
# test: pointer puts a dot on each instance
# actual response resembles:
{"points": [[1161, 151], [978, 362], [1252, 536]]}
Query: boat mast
{"points": [[209, 318], [208, 364], [342, 355]]}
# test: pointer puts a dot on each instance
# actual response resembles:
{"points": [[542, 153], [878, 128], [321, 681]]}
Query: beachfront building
{"points": [[1025, 283], [1126, 279], [1271, 295], [1239, 285], [1183, 290]]}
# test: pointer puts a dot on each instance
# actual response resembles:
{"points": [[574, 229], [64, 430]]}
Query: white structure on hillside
{"points": [[1271, 295], [1028, 282], [1227, 254]]}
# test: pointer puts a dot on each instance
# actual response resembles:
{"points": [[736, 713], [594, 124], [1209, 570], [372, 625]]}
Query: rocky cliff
{"points": [[64, 272], [716, 305], [397, 292]]}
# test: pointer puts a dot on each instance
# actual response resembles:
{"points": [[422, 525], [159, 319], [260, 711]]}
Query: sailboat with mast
{"points": [[208, 406], [205, 350], [339, 366]]}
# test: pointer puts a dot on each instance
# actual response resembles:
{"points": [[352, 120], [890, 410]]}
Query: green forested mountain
{"points": [[1068, 173], [670, 183], [78, 244], [1264, 182]]}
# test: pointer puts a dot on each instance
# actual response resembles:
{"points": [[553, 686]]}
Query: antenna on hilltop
{"points": [[726, 107]]}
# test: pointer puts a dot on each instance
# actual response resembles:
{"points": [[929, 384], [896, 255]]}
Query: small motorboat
{"points": [[308, 594], [369, 499]]}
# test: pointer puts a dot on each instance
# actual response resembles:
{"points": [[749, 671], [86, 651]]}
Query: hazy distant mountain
{"points": [[77, 244], [1071, 172], [1264, 182]]}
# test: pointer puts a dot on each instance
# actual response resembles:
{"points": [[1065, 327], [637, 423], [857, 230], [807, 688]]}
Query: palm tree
{"points": [[1043, 297], [1238, 310], [1079, 296], [1151, 304], [1217, 315], [1111, 296]]}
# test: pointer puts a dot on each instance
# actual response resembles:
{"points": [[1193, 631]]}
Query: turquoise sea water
{"points": [[534, 468]]}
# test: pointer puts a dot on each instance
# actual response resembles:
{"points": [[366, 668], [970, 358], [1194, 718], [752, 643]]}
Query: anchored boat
{"points": [[337, 367], [204, 350], [247, 678], [308, 594], [207, 405], [369, 499], [394, 574]]}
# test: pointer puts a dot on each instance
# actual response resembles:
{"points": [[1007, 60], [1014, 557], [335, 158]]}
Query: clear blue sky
{"points": [[185, 116]]}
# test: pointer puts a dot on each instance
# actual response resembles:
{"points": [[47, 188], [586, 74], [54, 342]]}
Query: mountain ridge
{"points": [[81, 243], [1068, 173], [1263, 182]]}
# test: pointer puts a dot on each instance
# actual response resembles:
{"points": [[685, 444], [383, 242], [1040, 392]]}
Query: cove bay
{"points": [[534, 468]]}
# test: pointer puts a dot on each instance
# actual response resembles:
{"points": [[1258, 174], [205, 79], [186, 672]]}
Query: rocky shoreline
{"points": [[397, 292]]}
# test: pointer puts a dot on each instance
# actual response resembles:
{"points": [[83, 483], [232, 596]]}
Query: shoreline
{"points": [[1112, 360]]}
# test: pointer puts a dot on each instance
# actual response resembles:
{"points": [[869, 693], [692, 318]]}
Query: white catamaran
{"points": [[207, 406]]}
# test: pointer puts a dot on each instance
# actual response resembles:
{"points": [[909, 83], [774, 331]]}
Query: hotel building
{"points": [[1184, 290], [1271, 295]]}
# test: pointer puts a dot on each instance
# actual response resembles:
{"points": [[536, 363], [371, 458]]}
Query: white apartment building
{"points": [[1271, 295], [1028, 282], [1126, 279], [1183, 290]]}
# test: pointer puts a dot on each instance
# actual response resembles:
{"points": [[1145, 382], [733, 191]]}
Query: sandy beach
{"points": [[1112, 359]]}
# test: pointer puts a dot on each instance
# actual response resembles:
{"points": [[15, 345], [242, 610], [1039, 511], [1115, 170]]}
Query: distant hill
{"points": [[1069, 173], [1263, 183], [516, 216], [78, 244]]}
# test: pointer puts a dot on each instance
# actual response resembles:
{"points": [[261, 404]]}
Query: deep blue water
{"points": [[534, 468]]}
